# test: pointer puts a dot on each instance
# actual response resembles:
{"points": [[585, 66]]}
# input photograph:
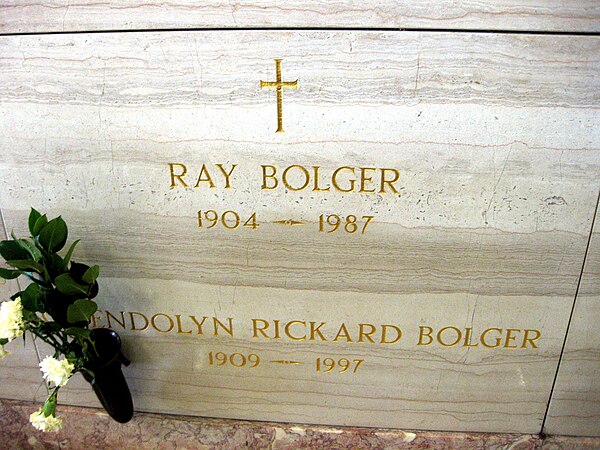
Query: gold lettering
{"points": [[153, 322], [289, 186], [297, 178], [120, 322], [289, 325], [510, 338], [261, 330], [458, 336], [199, 325], [217, 323], [94, 319], [208, 179], [364, 179], [273, 170], [342, 332], [391, 182], [362, 334], [226, 174], [428, 335], [316, 330], [335, 182], [384, 329], [316, 187], [300, 330], [178, 176], [179, 330], [498, 339], [532, 340], [277, 336], [468, 338], [132, 318]]}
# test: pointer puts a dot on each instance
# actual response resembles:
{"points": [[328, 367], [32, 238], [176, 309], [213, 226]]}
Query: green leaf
{"points": [[70, 252], [11, 250], [54, 235], [26, 264], [39, 224], [8, 274], [28, 316], [31, 298], [81, 310], [3, 341], [55, 265], [30, 248], [67, 285], [78, 332], [33, 217], [91, 274]]}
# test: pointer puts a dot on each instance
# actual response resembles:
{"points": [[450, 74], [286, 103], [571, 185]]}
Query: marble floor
{"points": [[91, 428]]}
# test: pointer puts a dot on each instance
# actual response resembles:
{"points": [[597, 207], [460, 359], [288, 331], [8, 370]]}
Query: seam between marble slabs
{"points": [[583, 264]]}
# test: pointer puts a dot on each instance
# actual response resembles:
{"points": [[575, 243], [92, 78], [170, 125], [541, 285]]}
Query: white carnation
{"points": [[45, 423], [3, 352], [11, 319], [55, 371]]}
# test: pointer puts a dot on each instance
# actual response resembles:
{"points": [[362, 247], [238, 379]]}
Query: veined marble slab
{"points": [[575, 405], [494, 142], [401, 384], [27, 16]]}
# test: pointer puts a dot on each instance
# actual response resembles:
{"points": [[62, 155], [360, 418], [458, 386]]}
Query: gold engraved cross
{"points": [[279, 85]]}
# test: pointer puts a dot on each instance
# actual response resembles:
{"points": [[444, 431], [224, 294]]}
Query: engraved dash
{"points": [[286, 362], [289, 222]]}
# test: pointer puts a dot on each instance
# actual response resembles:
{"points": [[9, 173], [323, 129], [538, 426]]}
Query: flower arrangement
{"points": [[56, 307]]}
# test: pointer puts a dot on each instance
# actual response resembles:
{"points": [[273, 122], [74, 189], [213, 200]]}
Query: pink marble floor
{"points": [[91, 428]]}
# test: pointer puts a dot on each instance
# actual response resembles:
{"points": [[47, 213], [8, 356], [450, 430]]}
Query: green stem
{"points": [[49, 339], [54, 393], [39, 281]]}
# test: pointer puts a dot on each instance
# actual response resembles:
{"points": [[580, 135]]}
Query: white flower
{"points": [[3, 352], [11, 319], [45, 423], [55, 371]]}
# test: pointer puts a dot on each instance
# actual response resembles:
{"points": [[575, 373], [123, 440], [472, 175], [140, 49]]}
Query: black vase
{"points": [[108, 382]]}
